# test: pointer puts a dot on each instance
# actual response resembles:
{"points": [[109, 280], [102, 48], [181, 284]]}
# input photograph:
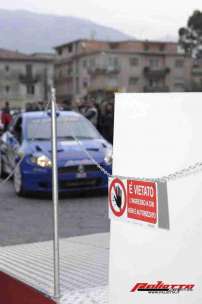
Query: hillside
{"points": [[30, 32]]}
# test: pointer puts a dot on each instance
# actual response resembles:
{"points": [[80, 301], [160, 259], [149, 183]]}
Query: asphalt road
{"points": [[24, 220]]}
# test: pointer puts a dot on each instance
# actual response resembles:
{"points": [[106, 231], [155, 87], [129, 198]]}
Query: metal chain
{"points": [[197, 167], [193, 169], [90, 156], [173, 176]]}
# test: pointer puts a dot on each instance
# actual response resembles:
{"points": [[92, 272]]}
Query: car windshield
{"points": [[67, 128]]}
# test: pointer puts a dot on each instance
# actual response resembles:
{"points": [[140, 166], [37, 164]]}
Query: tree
{"points": [[190, 37]]}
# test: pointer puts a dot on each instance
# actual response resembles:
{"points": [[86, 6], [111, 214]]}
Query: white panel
{"points": [[155, 135]]}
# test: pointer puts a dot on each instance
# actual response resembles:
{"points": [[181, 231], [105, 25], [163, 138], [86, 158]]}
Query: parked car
{"points": [[29, 137]]}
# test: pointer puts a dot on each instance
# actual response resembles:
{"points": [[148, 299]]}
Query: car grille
{"points": [[75, 169], [80, 183]]}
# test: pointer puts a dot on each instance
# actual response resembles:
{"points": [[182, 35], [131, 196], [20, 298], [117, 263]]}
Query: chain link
{"points": [[90, 156], [197, 167]]}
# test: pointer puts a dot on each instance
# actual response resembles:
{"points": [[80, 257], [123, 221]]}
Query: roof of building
{"points": [[9, 55], [115, 42]]}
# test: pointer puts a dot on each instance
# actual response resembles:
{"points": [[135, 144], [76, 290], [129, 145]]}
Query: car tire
{"points": [[17, 179], [2, 174]]}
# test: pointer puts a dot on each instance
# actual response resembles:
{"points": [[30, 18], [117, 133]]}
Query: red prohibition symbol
{"points": [[117, 197]]}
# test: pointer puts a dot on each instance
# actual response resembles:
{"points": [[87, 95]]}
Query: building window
{"points": [[153, 63], [162, 47], [7, 68], [84, 63], [113, 62], [30, 89], [70, 48], [77, 68], [69, 70], [92, 62], [77, 85], [179, 87], [85, 83], [60, 74], [153, 83], [60, 52], [28, 70], [133, 80], [116, 62], [134, 61], [7, 88], [179, 63], [114, 45], [146, 47]]}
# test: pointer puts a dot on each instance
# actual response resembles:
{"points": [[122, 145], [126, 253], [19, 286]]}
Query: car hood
{"points": [[68, 150]]}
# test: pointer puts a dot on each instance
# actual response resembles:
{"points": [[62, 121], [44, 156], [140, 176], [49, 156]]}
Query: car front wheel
{"points": [[18, 181]]}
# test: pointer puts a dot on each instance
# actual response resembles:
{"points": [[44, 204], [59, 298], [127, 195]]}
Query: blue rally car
{"points": [[29, 140]]}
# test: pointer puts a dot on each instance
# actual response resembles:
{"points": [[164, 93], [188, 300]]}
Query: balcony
{"points": [[29, 79], [100, 69], [155, 73], [197, 71], [157, 89]]}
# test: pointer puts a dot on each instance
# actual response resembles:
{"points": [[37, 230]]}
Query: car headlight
{"points": [[42, 161], [108, 157]]}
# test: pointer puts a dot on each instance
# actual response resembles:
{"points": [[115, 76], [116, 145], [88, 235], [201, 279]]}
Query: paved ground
{"points": [[24, 220]]}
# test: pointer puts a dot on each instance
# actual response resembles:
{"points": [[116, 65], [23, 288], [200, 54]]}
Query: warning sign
{"points": [[117, 197], [133, 200], [142, 201]]}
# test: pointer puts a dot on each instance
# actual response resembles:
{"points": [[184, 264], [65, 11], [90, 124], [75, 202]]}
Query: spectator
{"points": [[91, 113], [6, 116], [107, 122]]}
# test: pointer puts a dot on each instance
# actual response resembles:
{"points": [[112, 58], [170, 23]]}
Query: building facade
{"points": [[24, 78], [196, 84], [93, 67]]}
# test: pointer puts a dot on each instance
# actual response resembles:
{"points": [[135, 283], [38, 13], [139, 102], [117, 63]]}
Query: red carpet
{"points": [[13, 291]]}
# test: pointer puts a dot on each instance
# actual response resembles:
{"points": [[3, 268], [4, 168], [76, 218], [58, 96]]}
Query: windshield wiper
{"points": [[85, 137], [66, 137], [39, 138]]}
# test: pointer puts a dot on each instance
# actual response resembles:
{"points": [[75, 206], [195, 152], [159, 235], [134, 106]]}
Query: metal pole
{"points": [[56, 255]]}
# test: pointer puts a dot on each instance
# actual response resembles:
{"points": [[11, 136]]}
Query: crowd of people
{"points": [[101, 115]]}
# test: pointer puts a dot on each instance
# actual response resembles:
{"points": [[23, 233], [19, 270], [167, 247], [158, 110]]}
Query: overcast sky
{"points": [[144, 19]]}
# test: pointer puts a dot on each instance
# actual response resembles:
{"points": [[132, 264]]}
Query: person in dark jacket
{"points": [[91, 112], [107, 122]]}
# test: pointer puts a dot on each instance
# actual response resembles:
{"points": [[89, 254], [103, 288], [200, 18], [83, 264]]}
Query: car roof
{"points": [[38, 114]]}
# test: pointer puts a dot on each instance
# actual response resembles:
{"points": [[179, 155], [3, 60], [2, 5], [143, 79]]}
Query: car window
{"points": [[13, 122], [66, 128], [17, 128]]}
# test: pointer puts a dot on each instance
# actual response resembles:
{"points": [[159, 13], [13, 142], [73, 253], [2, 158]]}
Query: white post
{"points": [[55, 196]]}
